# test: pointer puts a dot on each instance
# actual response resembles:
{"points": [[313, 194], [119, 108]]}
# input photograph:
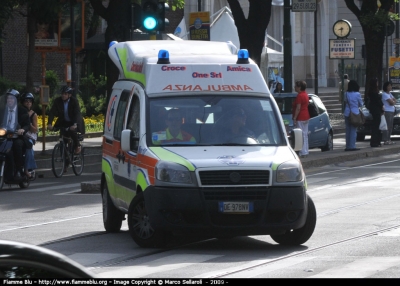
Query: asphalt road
{"points": [[357, 233]]}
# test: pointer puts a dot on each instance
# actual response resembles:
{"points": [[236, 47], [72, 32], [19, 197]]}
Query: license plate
{"points": [[236, 207]]}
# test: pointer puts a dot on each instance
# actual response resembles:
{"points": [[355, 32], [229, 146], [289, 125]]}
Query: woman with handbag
{"points": [[30, 136], [376, 109], [353, 103]]}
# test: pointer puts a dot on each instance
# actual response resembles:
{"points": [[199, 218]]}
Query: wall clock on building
{"points": [[342, 28]]}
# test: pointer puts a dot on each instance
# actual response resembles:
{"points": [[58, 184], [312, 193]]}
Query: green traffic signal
{"points": [[149, 15], [152, 15]]}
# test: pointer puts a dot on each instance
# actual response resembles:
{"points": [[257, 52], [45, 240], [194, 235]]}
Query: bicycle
{"points": [[63, 155]]}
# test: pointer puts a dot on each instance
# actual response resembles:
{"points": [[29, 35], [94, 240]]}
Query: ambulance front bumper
{"points": [[271, 210]]}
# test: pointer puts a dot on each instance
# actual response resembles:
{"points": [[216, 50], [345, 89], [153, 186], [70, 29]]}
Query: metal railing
{"points": [[356, 72]]}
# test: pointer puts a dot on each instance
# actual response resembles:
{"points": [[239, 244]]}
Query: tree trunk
{"points": [[31, 23], [373, 22], [251, 31]]}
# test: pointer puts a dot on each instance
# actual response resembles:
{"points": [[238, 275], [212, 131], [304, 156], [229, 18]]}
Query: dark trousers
{"points": [[18, 152], [71, 133]]}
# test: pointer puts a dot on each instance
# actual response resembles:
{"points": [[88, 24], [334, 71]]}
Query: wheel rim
{"points": [[141, 223], [58, 160]]}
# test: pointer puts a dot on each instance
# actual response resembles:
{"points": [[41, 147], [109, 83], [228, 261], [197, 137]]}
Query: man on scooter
{"points": [[18, 120]]}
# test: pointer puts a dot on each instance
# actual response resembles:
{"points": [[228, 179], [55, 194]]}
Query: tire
{"points": [[140, 228], [301, 235], [360, 137], [24, 184], [112, 217], [1, 182], [329, 143], [78, 162], [2, 164], [58, 160]]}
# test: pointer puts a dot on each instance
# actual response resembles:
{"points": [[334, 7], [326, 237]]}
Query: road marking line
{"points": [[50, 222], [167, 263], [360, 268], [253, 272]]}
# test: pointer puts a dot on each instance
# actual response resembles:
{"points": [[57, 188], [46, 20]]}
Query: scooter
{"points": [[6, 142], [8, 129]]}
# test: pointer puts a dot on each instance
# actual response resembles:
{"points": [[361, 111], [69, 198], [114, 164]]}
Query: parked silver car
{"points": [[320, 132]]}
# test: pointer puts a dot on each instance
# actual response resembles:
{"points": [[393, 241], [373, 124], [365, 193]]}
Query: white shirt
{"points": [[385, 97]]}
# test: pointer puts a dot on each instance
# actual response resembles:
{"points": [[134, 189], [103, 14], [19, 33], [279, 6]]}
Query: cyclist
{"points": [[68, 112]]}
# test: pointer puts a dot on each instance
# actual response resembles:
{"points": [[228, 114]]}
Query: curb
{"points": [[341, 156], [53, 138]]}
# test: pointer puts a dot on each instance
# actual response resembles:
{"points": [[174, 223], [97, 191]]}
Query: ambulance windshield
{"points": [[214, 120]]}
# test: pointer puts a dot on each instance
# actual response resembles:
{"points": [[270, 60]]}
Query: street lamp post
{"points": [[73, 55]]}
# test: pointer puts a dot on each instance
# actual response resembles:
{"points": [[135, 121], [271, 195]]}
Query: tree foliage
{"points": [[373, 20]]}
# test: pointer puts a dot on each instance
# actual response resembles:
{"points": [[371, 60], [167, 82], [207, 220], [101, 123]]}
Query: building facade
{"points": [[304, 35]]}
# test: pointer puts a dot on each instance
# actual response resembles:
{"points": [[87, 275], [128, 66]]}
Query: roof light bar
{"points": [[243, 57], [163, 57]]}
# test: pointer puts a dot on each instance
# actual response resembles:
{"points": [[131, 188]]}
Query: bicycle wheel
{"points": [[58, 160], [78, 162]]}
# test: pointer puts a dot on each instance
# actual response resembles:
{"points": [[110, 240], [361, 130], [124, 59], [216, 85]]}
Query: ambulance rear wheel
{"points": [[140, 228], [301, 235], [112, 217]]}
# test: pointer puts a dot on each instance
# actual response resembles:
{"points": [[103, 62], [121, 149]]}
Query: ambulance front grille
{"points": [[234, 177]]}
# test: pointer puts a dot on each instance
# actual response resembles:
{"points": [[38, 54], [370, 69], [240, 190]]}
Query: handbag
{"points": [[383, 124], [31, 135], [356, 119]]}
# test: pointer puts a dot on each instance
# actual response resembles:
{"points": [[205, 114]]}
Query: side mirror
{"points": [[129, 143], [297, 139]]}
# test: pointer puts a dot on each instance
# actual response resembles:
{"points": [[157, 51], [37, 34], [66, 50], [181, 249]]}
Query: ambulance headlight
{"points": [[290, 171], [172, 173], [3, 132]]}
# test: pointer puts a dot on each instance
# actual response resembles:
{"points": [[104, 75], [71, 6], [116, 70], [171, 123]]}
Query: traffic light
{"points": [[150, 15], [162, 21], [153, 15]]}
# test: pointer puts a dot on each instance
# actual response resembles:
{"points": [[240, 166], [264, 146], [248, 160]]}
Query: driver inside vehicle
{"points": [[235, 128], [173, 133]]}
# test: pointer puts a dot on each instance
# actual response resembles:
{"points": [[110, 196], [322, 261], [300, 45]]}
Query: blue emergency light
{"points": [[112, 43], [163, 57], [243, 57]]}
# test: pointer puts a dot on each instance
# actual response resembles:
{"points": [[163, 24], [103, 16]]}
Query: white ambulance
{"points": [[194, 145]]}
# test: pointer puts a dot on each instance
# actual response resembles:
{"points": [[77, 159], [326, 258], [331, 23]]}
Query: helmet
{"points": [[13, 92], [27, 96], [66, 89]]}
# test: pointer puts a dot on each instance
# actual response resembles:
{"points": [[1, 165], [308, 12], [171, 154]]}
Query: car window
{"points": [[208, 120], [285, 104], [321, 107]]}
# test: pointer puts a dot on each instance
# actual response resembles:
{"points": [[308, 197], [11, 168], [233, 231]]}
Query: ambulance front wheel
{"points": [[140, 227], [301, 235], [112, 217]]}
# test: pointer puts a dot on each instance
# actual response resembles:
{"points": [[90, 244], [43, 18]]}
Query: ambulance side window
{"points": [[119, 117], [134, 119]]}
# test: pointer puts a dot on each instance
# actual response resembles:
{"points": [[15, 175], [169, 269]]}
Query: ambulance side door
{"points": [[129, 171], [118, 156]]}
